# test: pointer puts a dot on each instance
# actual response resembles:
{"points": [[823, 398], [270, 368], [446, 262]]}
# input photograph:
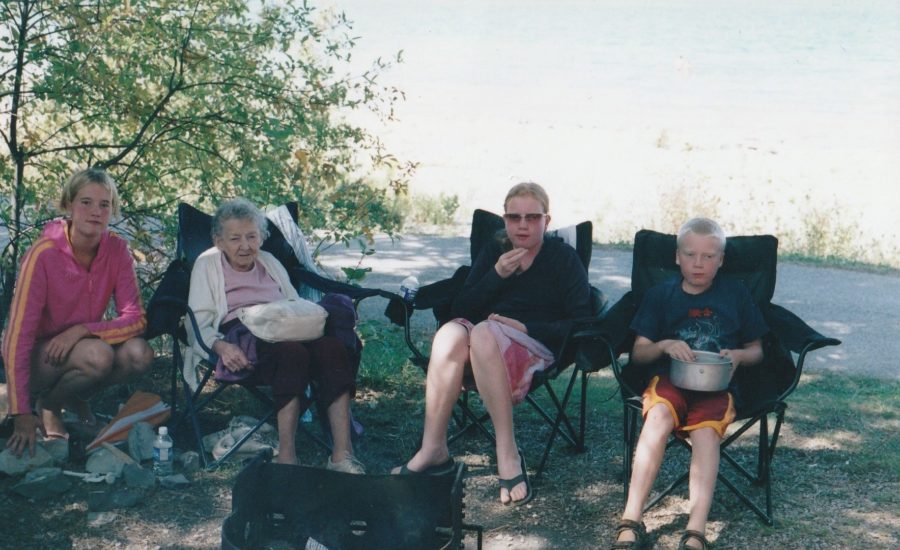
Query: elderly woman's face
{"points": [[240, 241]]}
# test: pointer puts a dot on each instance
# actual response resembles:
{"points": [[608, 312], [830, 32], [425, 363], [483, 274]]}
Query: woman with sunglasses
{"points": [[512, 315]]}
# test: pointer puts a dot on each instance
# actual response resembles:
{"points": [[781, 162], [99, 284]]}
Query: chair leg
{"points": [[577, 440]]}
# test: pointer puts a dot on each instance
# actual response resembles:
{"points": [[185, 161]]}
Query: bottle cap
{"points": [[163, 430]]}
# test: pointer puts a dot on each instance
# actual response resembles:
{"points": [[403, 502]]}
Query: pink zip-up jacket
{"points": [[53, 293]]}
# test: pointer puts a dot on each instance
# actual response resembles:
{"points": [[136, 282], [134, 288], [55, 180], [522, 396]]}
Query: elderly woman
{"points": [[514, 310], [57, 345], [234, 274]]}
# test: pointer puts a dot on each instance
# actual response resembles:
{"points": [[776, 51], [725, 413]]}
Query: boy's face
{"points": [[700, 257]]}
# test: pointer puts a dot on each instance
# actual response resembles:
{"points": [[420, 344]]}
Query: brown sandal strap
{"points": [[640, 532], [691, 534]]}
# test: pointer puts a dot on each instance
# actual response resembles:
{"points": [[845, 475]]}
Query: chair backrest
{"points": [[283, 503], [750, 259], [194, 228], [486, 226]]}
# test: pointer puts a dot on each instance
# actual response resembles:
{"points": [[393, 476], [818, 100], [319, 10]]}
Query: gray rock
{"points": [[190, 461], [137, 477], [103, 461], [42, 483], [12, 465], [106, 501], [99, 519], [58, 449], [140, 441], [174, 481]]}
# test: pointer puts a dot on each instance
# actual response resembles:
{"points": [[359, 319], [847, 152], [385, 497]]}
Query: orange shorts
{"points": [[691, 410]]}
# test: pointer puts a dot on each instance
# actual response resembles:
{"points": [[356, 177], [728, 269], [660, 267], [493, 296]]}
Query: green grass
{"points": [[836, 468]]}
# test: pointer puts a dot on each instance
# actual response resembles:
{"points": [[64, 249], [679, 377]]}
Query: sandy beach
{"points": [[776, 118]]}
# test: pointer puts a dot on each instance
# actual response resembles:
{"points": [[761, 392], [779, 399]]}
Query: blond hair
{"points": [[80, 179], [530, 189], [701, 226]]}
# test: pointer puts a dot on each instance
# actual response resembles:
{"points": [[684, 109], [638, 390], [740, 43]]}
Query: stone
{"points": [[12, 465], [42, 483], [106, 501], [190, 461], [138, 477], [57, 448], [140, 441], [176, 481], [99, 519], [103, 461]]}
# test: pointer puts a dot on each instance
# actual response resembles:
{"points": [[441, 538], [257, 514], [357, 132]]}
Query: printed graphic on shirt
{"points": [[701, 330]]}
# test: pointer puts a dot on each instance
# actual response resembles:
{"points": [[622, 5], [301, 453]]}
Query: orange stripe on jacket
{"points": [[20, 297]]}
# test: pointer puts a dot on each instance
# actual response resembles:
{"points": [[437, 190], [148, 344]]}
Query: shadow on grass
{"points": [[835, 471]]}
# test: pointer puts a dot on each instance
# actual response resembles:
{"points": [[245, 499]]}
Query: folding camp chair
{"points": [[761, 390], [168, 307], [439, 296], [279, 505]]}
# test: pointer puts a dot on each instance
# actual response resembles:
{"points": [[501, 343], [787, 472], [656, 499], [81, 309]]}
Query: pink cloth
{"points": [[522, 356], [248, 288], [54, 292]]}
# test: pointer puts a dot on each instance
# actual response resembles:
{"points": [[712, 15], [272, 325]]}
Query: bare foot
{"points": [[52, 419], [509, 468], [422, 460]]}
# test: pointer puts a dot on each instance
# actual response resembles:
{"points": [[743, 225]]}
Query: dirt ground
{"points": [[825, 496]]}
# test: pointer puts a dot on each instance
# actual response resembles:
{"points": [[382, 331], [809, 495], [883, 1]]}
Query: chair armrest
{"points": [[796, 336], [324, 284], [196, 328], [793, 332]]}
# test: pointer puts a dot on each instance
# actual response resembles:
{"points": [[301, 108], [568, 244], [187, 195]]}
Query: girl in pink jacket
{"points": [[57, 345]]}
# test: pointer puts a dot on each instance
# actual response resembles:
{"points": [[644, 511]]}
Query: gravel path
{"points": [[861, 309]]}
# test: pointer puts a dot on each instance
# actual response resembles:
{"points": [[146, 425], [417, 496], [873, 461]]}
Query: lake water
{"points": [[762, 112]]}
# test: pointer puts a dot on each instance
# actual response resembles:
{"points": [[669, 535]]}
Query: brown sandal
{"points": [[691, 534], [640, 534]]}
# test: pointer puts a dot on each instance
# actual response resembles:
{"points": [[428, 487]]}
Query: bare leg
{"points": [[647, 459], [131, 360], [443, 384], [87, 367], [288, 416], [702, 484], [339, 421], [493, 387]]}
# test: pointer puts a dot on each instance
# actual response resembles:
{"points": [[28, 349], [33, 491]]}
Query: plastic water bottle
{"points": [[162, 453], [408, 289]]}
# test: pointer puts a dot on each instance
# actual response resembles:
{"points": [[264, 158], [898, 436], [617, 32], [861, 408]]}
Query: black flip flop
{"points": [[508, 484], [444, 468]]}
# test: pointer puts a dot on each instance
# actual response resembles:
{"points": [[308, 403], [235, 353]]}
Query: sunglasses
{"points": [[517, 218]]}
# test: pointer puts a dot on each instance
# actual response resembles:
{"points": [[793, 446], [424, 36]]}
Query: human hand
{"points": [[509, 262], [58, 348], [677, 349], [518, 325], [736, 356], [232, 356], [24, 434]]}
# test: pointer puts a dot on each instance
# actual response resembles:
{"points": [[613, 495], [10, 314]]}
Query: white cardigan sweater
{"points": [[208, 302]]}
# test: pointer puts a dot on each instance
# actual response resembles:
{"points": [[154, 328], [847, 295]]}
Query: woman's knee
{"points": [[93, 357], [135, 355], [482, 342], [451, 342]]}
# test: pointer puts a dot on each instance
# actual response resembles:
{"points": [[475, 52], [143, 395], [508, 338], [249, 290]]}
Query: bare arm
{"points": [[751, 354], [646, 351]]}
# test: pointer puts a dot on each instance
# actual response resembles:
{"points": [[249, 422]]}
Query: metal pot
{"points": [[709, 372]]}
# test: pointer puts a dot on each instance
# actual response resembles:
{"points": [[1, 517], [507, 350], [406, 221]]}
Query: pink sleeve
{"points": [[21, 330], [130, 321]]}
